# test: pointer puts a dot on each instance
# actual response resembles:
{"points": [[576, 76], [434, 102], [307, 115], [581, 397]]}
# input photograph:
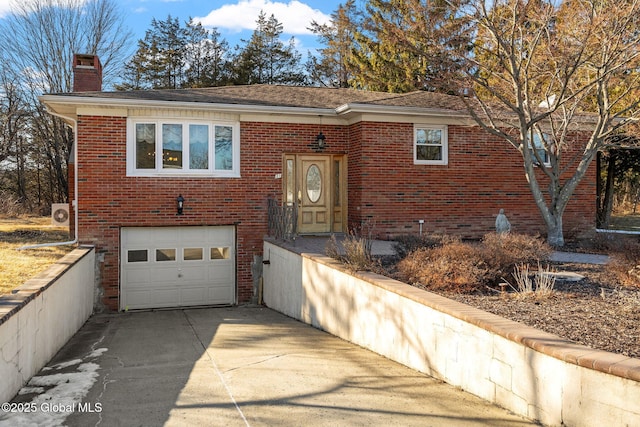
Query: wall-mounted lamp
{"points": [[321, 140], [180, 201]]}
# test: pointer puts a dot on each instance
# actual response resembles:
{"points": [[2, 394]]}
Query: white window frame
{"points": [[159, 171], [539, 146], [444, 144]]}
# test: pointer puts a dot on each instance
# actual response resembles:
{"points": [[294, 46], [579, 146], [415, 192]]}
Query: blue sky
{"points": [[234, 19]]}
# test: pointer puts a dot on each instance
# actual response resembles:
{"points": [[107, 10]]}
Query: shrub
{"points": [[355, 254], [502, 252], [10, 206], [454, 266], [625, 260], [624, 251], [446, 263], [408, 243]]}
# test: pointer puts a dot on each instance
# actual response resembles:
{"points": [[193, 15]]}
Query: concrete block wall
{"points": [[532, 373], [41, 316]]}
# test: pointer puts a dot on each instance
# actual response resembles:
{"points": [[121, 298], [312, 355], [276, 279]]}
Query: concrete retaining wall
{"points": [[39, 317], [530, 372]]}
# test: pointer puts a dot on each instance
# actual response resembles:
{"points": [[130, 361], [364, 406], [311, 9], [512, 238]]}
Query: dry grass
{"points": [[355, 253], [16, 266]]}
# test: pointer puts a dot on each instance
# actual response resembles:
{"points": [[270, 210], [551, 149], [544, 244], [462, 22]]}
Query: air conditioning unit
{"points": [[60, 214]]}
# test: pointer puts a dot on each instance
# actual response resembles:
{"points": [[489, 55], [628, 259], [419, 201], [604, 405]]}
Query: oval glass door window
{"points": [[314, 183]]}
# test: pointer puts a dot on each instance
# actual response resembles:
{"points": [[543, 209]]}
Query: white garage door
{"points": [[177, 266]]}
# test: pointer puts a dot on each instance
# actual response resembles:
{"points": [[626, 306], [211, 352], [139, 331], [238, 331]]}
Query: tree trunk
{"points": [[555, 235]]}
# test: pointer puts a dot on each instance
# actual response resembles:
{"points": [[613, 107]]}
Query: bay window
{"points": [[176, 147]]}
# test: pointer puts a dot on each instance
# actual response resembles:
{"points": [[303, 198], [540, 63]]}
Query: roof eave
{"points": [[68, 105], [76, 101]]}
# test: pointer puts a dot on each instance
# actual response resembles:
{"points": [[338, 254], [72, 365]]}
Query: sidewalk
{"points": [[578, 258], [242, 366], [318, 244]]}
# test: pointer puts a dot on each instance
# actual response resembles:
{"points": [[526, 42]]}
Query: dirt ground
{"points": [[592, 312]]}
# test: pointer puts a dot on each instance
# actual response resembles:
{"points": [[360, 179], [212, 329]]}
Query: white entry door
{"points": [[177, 267]]}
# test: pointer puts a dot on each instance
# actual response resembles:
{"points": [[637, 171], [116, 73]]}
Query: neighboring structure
{"points": [[347, 157]]}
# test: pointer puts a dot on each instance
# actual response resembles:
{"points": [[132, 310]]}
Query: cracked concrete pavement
{"points": [[246, 366]]}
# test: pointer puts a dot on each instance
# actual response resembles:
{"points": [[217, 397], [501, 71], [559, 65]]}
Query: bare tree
{"points": [[555, 80], [13, 115], [37, 43]]}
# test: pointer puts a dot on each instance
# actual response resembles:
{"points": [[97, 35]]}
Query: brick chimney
{"points": [[87, 73]]}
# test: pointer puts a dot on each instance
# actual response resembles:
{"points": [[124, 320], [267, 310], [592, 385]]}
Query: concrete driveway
{"points": [[241, 366]]}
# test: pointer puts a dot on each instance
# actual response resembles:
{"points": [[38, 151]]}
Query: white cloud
{"points": [[294, 16], [5, 8]]}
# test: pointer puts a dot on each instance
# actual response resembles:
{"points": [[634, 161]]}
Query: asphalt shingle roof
{"points": [[287, 96]]}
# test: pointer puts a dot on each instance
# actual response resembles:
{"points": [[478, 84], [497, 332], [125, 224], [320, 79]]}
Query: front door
{"points": [[317, 183]]}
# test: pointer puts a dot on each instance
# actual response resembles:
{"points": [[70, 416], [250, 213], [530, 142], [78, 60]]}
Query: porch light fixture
{"points": [[180, 201], [321, 140]]}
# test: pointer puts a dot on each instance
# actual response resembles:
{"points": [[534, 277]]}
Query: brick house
{"points": [[346, 156]]}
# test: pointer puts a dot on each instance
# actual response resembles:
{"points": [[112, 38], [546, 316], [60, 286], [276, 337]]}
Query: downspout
{"points": [[74, 203]]}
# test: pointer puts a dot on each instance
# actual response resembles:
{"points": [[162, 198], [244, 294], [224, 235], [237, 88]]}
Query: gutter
{"points": [[74, 203]]}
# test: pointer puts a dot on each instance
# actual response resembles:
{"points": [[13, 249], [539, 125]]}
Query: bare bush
{"points": [[332, 249], [502, 252], [624, 252], [455, 266], [624, 271], [408, 243], [445, 262], [10, 206], [354, 251]]}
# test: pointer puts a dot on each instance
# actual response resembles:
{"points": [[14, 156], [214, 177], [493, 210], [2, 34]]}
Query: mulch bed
{"points": [[592, 312]]}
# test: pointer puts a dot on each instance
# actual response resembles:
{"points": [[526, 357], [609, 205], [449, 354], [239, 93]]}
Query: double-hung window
{"points": [[538, 148], [430, 145], [176, 147]]}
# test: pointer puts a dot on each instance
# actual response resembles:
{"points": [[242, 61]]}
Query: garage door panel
{"points": [[165, 296], [193, 295], [193, 236], [164, 275], [138, 299], [220, 234], [220, 293], [220, 274], [177, 266], [195, 273], [137, 276]]}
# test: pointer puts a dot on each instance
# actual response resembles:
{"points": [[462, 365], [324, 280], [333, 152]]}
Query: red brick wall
{"points": [[483, 175], [109, 200], [87, 73]]}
